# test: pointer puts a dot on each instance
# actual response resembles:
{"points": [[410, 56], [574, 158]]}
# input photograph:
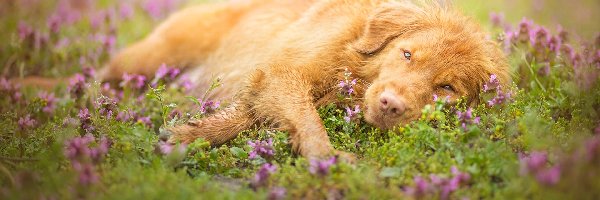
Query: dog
{"points": [[279, 60]]}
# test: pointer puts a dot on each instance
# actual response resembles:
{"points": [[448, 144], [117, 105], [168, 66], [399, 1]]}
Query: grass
{"points": [[542, 143]]}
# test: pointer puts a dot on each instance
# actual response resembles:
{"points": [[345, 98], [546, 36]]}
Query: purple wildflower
{"points": [[5, 85], [62, 43], [83, 157], [262, 175], [347, 86], [321, 167], [125, 10], [106, 89], [185, 83], [524, 29], [554, 44], [166, 148], [54, 23], [263, 149], [108, 42], [96, 154], [125, 116], [165, 73], [175, 114], [445, 100], [277, 193], [209, 106], [87, 174], [11, 90], [510, 38], [106, 106], [549, 176], [88, 73], [351, 114], [78, 147], [24, 30], [533, 163], [145, 121], [158, 8], [49, 101], [85, 119], [567, 50], [98, 19], [443, 186], [540, 38], [77, 85], [133, 80], [26, 122], [500, 98], [454, 183], [420, 189], [497, 19], [466, 118], [492, 84]]}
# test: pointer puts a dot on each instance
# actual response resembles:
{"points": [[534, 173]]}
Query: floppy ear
{"points": [[386, 22]]}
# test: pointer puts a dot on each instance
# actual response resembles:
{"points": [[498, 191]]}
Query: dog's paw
{"points": [[180, 134]]}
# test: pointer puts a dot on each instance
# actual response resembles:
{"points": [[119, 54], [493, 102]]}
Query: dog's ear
{"points": [[386, 22]]}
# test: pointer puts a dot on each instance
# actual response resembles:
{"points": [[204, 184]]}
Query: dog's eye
{"points": [[407, 55], [448, 88]]}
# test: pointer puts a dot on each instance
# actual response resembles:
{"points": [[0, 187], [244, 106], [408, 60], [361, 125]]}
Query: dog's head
{"points": [[414, 53]]}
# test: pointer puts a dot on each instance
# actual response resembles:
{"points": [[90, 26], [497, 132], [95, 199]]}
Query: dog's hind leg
{"points": [[185, 39]]}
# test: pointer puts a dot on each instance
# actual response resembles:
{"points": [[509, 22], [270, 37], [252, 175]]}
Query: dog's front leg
{"points": [[283, 96], [216, 129]]}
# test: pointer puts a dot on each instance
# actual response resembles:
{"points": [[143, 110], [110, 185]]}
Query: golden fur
{"points": [[278, 60]]}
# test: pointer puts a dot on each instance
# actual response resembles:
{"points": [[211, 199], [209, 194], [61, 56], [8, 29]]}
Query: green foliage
{"points": [[551, 113]]}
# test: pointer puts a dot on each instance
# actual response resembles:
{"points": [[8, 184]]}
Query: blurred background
{"points": [[579, 16]]}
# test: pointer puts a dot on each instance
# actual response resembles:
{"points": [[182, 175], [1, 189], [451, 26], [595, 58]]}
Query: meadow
{"points": [[537, 139]]}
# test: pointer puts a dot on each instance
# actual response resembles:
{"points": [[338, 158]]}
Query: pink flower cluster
{"points": [[321, 168], [85, 120], [438, 185], [135, 117], [261, 177], [10, 90], [209, 106], [77, 86], [48, 100], [347, 86], [84, 157], [501, 96], [26, 122], [536, 164], [263, 149], [546, 49], [106, 106], [466, 118], [351, 114], [133, 80], [166, 148], [158, 9], [586, 158], [166, 74]]}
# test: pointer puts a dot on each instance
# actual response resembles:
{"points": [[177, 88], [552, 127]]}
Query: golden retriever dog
{"points": [[279, 60]]}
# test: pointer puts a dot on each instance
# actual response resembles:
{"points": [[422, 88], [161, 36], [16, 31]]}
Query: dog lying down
{"points": [[279, 60]]}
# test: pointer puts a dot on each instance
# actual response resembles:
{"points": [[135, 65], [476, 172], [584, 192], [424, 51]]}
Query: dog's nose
{"points": [[391, 104]]}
